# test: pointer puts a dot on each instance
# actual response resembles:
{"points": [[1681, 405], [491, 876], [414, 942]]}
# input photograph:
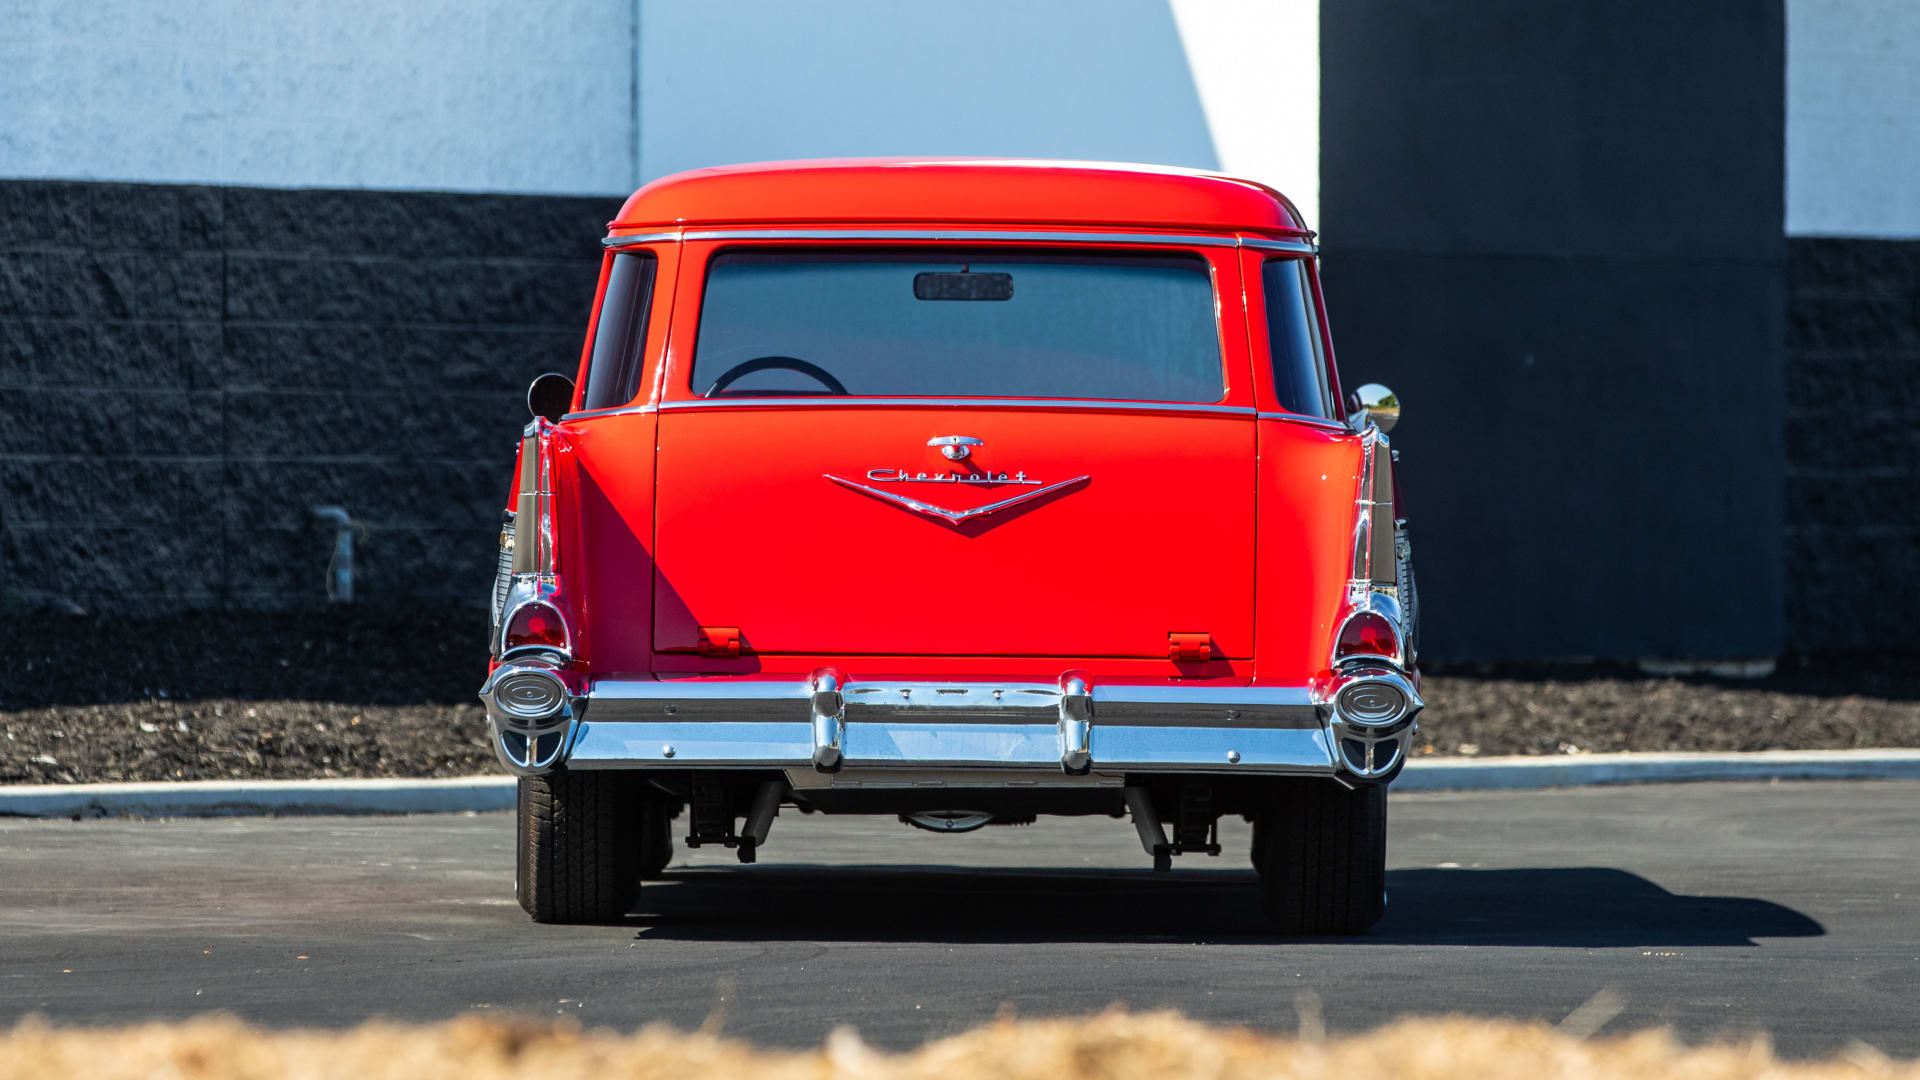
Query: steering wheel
{"points": [[774, 363]]}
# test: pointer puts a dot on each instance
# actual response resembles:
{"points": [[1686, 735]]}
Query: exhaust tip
{"points": [[527, 694], [1372, 703]]}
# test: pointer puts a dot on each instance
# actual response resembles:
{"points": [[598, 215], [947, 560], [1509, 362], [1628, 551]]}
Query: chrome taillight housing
{"points": [[531, 613]]}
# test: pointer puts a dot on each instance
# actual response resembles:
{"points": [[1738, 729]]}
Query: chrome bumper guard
{"points": [[1355, 729]]}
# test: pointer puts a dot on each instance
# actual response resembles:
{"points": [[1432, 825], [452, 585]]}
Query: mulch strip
{"points": [[361, 693]]}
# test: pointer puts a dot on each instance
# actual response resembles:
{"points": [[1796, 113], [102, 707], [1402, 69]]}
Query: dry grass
{"points": [[1111, 1046]]}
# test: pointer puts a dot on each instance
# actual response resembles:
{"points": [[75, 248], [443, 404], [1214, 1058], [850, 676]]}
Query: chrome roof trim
{"points": [[951, 403], [1077, 236], [1297, 247], [636, 239]]}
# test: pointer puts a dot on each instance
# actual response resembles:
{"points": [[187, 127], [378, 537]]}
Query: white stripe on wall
{"points": [[1853, 118]]}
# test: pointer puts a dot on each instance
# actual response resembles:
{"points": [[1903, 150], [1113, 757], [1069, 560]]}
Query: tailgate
{"points": [[797, 525]]}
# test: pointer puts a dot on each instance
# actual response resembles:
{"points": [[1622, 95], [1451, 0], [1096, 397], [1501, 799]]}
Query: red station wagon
{"points": [[964, 492]]}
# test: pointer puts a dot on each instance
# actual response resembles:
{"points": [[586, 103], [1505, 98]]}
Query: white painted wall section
{"points": [[480, 95], [1853, 118], [758, 80], [1256, 64], [596, 96]]}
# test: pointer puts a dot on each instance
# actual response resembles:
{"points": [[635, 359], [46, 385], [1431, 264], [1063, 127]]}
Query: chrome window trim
{"points": [[1171, 239], [966, 403], [1296, 247], [636, 239]]}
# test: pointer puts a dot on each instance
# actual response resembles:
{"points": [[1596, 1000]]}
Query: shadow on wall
{"points": [[1065, 79], [1555, 230]]}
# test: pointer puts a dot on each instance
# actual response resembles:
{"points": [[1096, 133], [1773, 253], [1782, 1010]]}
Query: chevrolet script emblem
{"points": [[954, 448]]}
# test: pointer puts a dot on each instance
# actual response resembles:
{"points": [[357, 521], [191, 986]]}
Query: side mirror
{"points": [[1374, 402], [551, 396]]}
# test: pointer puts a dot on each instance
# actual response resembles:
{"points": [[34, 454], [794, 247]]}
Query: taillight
{"points": [[533, 604], [1367, 633], [536, 623]]}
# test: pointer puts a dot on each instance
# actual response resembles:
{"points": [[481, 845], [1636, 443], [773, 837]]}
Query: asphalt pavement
{"points": [[1718, 909]]}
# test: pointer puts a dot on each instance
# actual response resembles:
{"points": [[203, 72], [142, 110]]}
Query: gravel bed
{"points": [[360, 693]]}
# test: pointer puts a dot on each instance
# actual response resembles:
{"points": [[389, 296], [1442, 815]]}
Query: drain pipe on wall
{"points": [[340, 565]]}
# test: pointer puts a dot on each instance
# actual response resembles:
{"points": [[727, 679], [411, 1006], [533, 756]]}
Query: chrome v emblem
{"points": [[955, 517]]}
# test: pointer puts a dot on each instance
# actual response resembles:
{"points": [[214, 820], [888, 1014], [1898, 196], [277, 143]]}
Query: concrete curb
{"points": [[1583, 770], [231, 798], [225, 798]]}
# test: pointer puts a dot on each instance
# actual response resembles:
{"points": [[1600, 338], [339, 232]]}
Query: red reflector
{"points": [[536, 624], [1367, 634]]}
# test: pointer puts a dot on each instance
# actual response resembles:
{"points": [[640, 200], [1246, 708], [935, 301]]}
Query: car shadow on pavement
{"points": [[1570, 907]]}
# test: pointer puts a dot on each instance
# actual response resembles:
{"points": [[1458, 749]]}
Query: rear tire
{"points": [[1321, 852], [579, 847]]}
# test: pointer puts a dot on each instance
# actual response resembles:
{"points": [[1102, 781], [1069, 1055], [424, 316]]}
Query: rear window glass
{"points": [[613, 374], [958, 324]]}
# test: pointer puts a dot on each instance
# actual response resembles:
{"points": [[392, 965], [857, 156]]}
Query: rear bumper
{"points": [[828, 723]]}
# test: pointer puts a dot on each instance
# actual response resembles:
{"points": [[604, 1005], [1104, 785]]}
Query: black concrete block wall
{"points": [[186, 371], [1556, 231], [1853, 443]]}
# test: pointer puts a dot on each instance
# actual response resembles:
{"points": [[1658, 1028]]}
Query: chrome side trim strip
{"points": [[636, 239], [1310, 421], [962, 403], [617, 410]]}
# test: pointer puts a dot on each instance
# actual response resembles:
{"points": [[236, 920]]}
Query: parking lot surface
{"points": [[1719, 909]]}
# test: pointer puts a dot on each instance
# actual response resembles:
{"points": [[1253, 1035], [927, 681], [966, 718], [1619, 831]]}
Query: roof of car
{"points": [[977, 191]]}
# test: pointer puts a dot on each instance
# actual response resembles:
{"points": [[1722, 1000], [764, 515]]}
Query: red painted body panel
{"points": [[611, 489], [1308, 477], [680, 514], [976, 192], [752, 534]]}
